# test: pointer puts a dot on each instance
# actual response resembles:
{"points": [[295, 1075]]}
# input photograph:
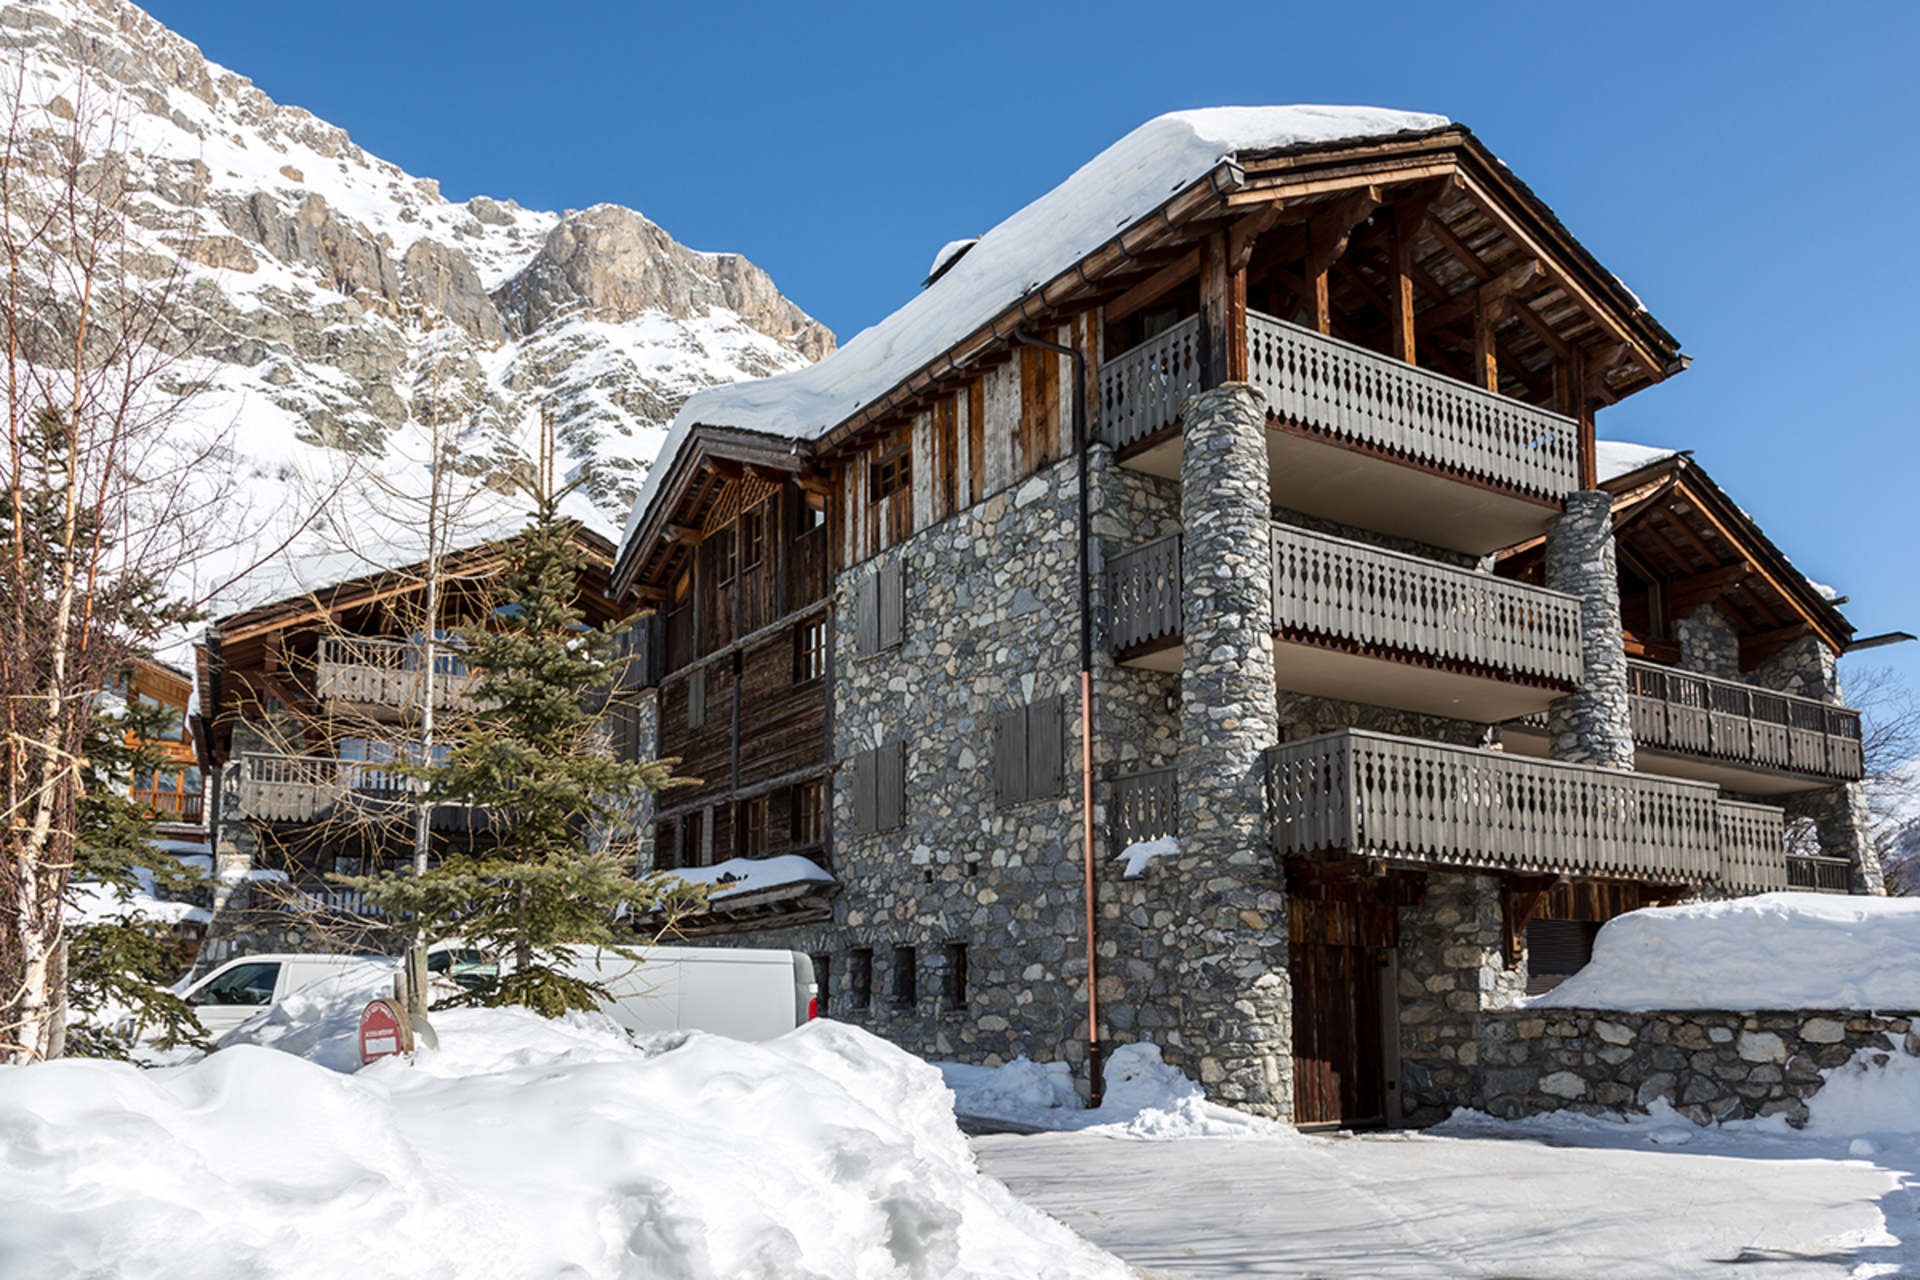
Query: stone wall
{"points": [[1709, 643], [1591, 725], [1709, 1066], [1452, 976]]}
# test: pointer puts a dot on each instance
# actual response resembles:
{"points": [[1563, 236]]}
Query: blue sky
{"points": [[1748, 169]]}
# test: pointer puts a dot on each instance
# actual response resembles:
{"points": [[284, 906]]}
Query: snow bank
{"points": [[321, 1021], [1145, 1098], [522, 1148], [1772, 951], [1118, 187], [1616, 458]]}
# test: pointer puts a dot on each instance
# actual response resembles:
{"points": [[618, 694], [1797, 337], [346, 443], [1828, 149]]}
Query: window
{"points": [[248, 984], [906, 979], [891, 471], [1028, 753], [750, 817], [823, 983], [693, 852], [879, 609], [860, 978], [879, 788], [810, 651], [809, 816], [723, 565], [753, 539], [666, 853], [954, 978]]}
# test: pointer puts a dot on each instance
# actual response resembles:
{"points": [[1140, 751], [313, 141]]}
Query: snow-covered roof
{"points": [[1616, 458], [754, 875], [1115, 189], [949, 251]]}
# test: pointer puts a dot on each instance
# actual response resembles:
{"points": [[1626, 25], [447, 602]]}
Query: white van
{"points": [[245, 985], [731, 991]]}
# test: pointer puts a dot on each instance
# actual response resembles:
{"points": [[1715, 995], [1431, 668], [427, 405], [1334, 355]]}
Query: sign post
{"points": [[384, 1031]]}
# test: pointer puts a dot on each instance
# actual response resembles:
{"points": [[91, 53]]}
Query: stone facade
{"points": [[1710, 1066], [1452, 976], [1592, 724], [1708, 642]]}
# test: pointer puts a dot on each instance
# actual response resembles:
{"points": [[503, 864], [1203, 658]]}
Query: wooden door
{"points": [[1340, 955]]}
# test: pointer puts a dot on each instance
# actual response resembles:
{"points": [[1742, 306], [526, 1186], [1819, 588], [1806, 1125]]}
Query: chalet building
{"points": [[1237, 502], [304, 704], [171, 789]]}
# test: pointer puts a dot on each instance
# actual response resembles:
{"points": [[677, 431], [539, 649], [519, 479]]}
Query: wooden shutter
{"points": [[1046, 747], [866, 615], [864, 793], [892, 605], [1010, 756], [890, 805]]}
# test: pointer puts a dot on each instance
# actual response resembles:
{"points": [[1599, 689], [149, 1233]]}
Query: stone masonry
{"points": [[1709, 1065], [1591, 725], [1224, 881]]}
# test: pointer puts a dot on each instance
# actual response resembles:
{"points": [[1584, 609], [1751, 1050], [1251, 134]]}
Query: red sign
{"points": [[383, 1031]]}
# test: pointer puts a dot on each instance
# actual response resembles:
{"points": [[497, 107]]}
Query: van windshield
{"points": [[243, 984]]}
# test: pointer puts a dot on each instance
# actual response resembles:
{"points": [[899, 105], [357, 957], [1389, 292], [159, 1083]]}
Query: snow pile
{"points": [[522, 1148], [1141, 853], [1772, 951], [1871, 1093], [1145, 1099], [1117, 188], [748, 875]]}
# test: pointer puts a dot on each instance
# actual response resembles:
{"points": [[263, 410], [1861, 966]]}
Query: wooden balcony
{"points": [[1739, 736], [389, 677], [169, 805], [1819, 874], [1359, 437], [1410, 801], [309, 789], [1142, 805], [1364, 623]]}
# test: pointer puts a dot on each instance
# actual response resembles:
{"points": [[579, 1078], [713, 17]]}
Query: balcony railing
{"points": [[276, 788], [1380, 796], [1753, 847], [1818, 873], [1328, 385], [390, 673], [1367, 596], [1142, 391], [1705, 716], [169, 806], [1144, 805]]}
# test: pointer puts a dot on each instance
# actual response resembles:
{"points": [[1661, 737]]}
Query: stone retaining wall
{"points": [[1709, 1065]]}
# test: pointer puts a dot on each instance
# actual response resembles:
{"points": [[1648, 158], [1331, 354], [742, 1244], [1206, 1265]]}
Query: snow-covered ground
{"points": [[1543, 1200], [521, 1148]]}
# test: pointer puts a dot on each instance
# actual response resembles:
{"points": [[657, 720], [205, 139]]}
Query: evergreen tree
{"points": [[537, 760], [117, 967]]}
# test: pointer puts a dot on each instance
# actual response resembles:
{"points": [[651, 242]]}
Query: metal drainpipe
{"points": [[1096, 1071]]}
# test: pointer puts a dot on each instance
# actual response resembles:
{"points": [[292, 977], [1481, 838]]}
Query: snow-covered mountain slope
{"points": [[344, 304]]}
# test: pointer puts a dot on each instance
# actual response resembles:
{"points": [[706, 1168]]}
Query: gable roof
{"points": [[1118, 187]]}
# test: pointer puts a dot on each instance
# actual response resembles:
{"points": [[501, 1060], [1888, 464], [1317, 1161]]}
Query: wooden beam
{"points": [[684, 534], [722, 468], [1497, 290], [1240, 239], [1486, 356], [1327, 237], [1155, 286], [1216, 319], [1400, 234]]}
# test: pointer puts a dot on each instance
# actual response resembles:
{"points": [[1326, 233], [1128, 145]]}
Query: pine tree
{"points": [[538, 762], [117, 968]]}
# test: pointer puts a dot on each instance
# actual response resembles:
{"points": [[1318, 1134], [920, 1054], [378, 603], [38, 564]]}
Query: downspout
{"points": [[1096, 1073]]}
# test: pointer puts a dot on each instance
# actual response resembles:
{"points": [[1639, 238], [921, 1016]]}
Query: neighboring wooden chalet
{"points": [[172, 789], [306, 702], [1400, 681]]}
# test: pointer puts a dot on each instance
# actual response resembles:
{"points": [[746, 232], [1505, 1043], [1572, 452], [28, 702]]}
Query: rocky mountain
{"points": [[344, 304]]}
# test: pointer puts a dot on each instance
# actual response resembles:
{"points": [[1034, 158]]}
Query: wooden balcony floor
{"points": [[1746, 779], [1380, 681], [1311, 473]]}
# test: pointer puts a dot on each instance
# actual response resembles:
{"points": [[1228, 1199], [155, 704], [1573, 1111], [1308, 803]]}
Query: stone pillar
{"points": [[1592, 724], [1452, 973], [1806, 668], [1228, 944]]}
